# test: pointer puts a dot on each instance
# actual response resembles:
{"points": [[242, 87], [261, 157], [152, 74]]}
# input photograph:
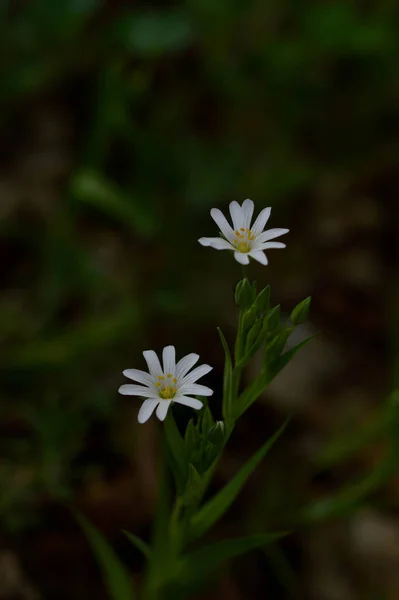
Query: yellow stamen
{"points": [[161, 377], [169, 375], [242, 229], [174, 380], [237, 232], [168, 393], [157, 384]]}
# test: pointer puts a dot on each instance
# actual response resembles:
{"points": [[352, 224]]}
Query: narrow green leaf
{"points": [[194, 488], [176, 452], [227, 380], [258, 386], [244, 294], [218, 505], [289, 355], [138, 542], [198, 564], [117, 579]]}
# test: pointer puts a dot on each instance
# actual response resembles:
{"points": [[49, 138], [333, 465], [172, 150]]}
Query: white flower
{"points": [[162, 386], [244, 240]]}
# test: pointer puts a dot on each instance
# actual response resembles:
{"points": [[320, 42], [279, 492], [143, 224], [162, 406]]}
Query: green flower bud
{"points": [[300, 313], [217, 433], [244, 294]]}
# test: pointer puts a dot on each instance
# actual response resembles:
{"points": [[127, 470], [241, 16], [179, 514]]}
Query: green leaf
{"points": [[194, 487], [218, 505], [177, 452], [153, 32], [262, 303], [289, 355], [227, 380], [117, 579], [268, 373], [274, 320], [138, 542], [90, 188], [244, 294], [197, 565]]}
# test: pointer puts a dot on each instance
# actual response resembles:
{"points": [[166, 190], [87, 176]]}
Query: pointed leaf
{"points": [[177, 452], [218, 505], [117, 578], [138, 542], [258, 386], [198, 564], [227, 380]]}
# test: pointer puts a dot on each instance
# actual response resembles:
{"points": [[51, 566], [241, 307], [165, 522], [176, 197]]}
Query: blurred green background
{"points": [[122, 124]]}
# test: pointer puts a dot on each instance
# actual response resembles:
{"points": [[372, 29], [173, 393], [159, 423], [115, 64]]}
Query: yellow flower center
{"points": [[166, 390], [243, 239]]}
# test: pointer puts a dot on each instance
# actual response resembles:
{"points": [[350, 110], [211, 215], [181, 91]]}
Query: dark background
{"points": [[122, 124]]}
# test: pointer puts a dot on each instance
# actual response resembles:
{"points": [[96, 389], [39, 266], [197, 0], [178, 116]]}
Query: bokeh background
{"points": [[122, 124]]}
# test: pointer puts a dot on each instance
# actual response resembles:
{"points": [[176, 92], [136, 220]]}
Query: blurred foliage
{"points": [[160, 112]]}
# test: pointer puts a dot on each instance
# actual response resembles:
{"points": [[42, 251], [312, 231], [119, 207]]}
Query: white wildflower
{"points": [[167, 384], [245, 240]]}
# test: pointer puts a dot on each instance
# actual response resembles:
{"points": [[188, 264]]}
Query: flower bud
{"points": [[300, 313], [217, 433], [244, 294]]}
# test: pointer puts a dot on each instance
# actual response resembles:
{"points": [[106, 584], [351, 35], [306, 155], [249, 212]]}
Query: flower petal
{"points": [[162, 409], [146, 410], [185, 364], [270, 234], [196, 374], [192, 402], [241, 258], [222, 223], [169, 360], [259, 256], [195, 389], [140, 376], [217, 243], [137, 390], [261, 221], [236, 214], [152, 360], [268, 245], [247, 210]]}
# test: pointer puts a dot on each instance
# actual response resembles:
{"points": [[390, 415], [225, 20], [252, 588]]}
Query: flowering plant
{"points": [[192, 456]]}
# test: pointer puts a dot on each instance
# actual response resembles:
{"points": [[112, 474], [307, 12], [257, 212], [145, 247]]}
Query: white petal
{"points": [[196, 374], [270, 234], [146, 410], [247, 212], [169, 360], [222, 223], [152, 360], [195, 389], [236, 214], [241, 258], [140, 376], [261, 221], [268, 245], [137, 390], [259, 256], [162, 409], [192, 402], [216, 243], [185, 364]]}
